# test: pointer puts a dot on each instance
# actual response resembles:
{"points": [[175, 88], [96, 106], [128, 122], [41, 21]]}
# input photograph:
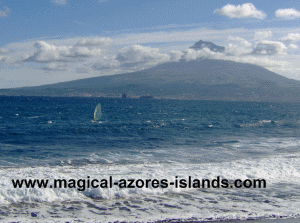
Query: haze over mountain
{"points": [[204, 79]]}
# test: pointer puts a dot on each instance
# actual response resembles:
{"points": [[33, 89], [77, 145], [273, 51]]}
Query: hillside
{"points": [[204, 79]]}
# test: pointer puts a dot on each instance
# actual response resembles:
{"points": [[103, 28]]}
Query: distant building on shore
{"points": [[124, 96]]}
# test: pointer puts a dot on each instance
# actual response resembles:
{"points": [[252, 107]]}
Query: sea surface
{"points": [[57, 138]]}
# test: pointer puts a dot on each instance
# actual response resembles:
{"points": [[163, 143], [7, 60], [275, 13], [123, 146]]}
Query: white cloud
{"points": [[4, 59], [54, 66], [101, 1], [239, 40], [48, 53], [83, 49], [94, 42], [138, 57], [106, 64], [241, 11], [238, 46], [260, 35], [272, 63], [4, 12], [266, 47], [59, 2], [75, 58], [288, 13], [293, 46], [191, 54], [191, 36], [4, 51], [141, 54], [291, 37], [176, 55]]}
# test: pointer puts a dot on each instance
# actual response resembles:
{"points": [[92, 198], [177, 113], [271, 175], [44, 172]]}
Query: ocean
{"points": [[46, 138]]}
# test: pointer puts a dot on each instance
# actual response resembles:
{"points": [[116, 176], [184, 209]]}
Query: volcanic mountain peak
{"points": [[203, 44]]}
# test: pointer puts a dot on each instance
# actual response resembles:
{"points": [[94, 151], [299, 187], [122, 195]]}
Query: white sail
{"points": [[97, 112]]}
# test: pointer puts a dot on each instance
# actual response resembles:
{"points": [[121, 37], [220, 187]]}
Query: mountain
{"points": [[203, 79], [202, 44]]}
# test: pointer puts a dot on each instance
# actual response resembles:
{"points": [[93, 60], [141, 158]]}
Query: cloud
{"points": [[106, 64], [191, 54], [266, 47], [59, 2], [238, 46], [47, 52], [54, 66], [293, 46], [137, 54], [291, 37], [4, 12], [139, 57], [272, 62], [260, 35], [66, 55], [83, 49], [239, 40], [287, 13], [243, 51], [101, 1], [4, 59], [132, 58], [241, 11], [4, 51], [102, 56], [94, 42], [65, 58], [176, 55]]}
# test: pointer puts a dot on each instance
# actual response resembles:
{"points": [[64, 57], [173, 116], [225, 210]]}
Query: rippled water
{"points": [[51, 138]]}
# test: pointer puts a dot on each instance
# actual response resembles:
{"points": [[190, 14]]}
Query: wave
{"points": [[281, 169], [279, 199], [151, 149], [260, 123]]}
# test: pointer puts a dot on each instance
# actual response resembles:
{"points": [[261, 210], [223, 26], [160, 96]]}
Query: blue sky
{"points": [[49, 41]]}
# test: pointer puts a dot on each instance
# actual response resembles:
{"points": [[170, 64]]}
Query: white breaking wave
{"points": [[274, 170], [282, 174]]}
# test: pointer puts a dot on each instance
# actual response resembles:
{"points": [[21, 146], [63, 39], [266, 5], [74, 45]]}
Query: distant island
{"points": [[202, 79]]}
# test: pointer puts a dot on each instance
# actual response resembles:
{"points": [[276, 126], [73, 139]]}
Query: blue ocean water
{"points": [[50, 138]]}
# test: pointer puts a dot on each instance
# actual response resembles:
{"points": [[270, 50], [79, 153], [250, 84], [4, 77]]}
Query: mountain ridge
{"points": [[202, 79]]}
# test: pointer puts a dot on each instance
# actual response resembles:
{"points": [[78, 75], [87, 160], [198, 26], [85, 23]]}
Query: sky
{"points": [[51, 41]]}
